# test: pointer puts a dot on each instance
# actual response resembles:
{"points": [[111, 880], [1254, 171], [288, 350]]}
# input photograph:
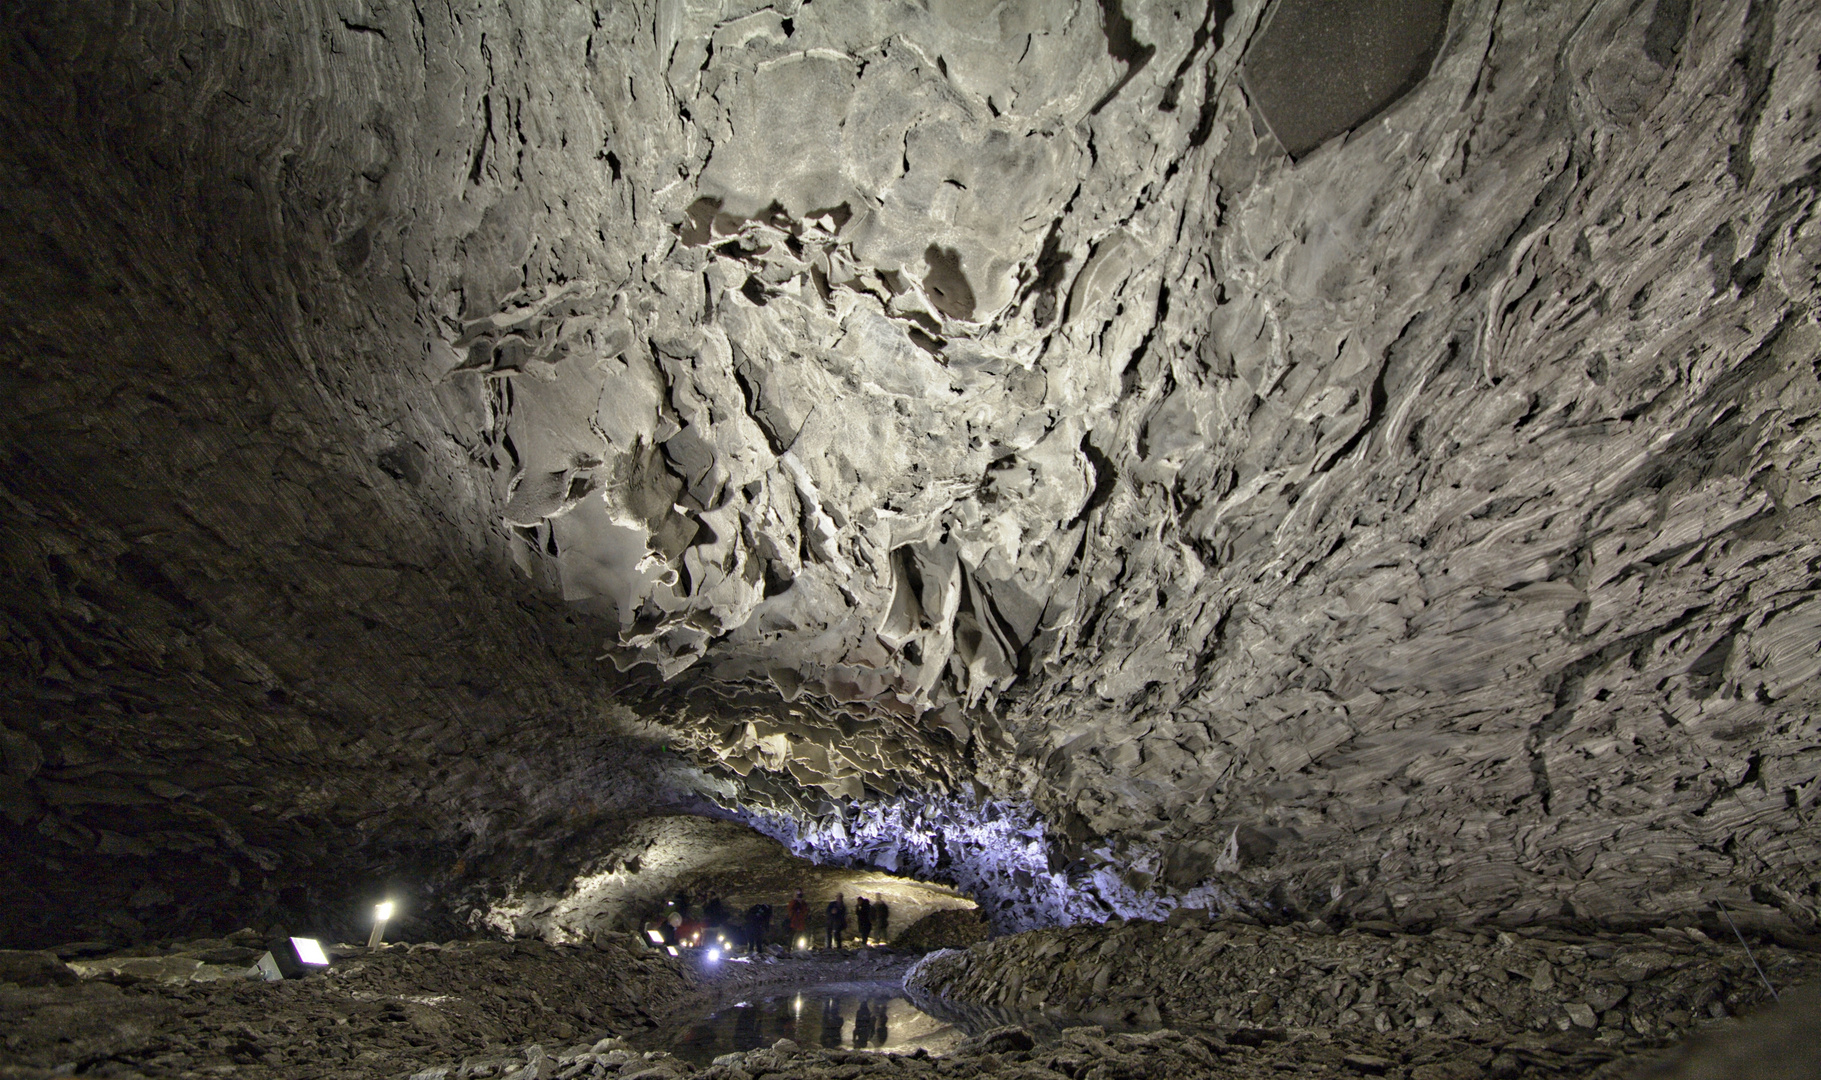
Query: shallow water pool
{"points": [[849, 1016]]}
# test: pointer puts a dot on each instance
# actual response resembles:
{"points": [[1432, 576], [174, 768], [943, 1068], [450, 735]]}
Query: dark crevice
{"points": [[480, 149], [1754, 63], [1213, 18], [1121, 46], [1668, 25], [1105, 478]]}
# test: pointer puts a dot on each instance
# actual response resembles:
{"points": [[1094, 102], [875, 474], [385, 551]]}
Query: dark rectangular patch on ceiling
{"points": [[1322, 67]]}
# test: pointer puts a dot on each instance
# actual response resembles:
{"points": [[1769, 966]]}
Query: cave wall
{"points": [[267, 655], [420, 417]]}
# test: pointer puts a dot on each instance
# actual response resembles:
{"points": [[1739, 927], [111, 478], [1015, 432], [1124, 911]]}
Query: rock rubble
{"points": [[1008, 1053], [943, 930], [1521, 996], [372, 1014], [1242, 1002]]}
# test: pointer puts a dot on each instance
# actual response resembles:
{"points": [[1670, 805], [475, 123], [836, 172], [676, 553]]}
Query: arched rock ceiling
{"points": [[955, 401]]}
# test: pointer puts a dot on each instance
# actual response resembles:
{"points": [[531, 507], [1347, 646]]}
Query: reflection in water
{"points": [[858, 1016]]}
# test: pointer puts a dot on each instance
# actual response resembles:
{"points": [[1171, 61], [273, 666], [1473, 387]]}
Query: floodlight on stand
{"points": [[291, 958], [381, 912]]}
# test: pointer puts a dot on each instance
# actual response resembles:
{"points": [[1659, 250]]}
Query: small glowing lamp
{"points": [[381, 912], [656, 938], [713, 955], [672, 950]]}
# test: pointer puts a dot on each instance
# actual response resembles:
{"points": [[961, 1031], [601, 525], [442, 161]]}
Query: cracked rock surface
{"points": [[1622, 992], [957, 439]]}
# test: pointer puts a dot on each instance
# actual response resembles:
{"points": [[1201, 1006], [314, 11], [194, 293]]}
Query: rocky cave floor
{"points": [[1220, 999]]}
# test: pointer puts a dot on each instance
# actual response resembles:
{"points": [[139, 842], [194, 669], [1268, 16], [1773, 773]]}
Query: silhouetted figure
{"points": [[880, 914], [863, 1025], [668, 928], [746, 1034], [863, 915], [830, 1035], [758, 924], [681, 903], [881, 1013], [837, 921], [714, 913], [799, 919]]}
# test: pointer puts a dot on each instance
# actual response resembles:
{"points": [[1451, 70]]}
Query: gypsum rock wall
{"points": [[1318, 528], [1387, 561], [1000, 851], [1626, 992], [266, 651], [617, 879]]}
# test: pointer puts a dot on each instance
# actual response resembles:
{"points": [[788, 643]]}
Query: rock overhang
{"points": [[1419, 527]]}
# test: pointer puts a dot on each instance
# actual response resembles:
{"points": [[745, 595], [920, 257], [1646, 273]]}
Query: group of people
{"points": [[717, 924], [871, 915]]}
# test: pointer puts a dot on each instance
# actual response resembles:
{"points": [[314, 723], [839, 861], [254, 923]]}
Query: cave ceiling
{"points": [[1358, 455]]}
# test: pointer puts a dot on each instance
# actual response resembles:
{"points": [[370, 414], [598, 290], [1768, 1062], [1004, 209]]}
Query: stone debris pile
{"points": [[1619, 990], [377, 1014], [951, 929], [1007, 1052]]}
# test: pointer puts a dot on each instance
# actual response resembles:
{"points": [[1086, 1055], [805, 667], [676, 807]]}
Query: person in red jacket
{"points": [[799, 920]]}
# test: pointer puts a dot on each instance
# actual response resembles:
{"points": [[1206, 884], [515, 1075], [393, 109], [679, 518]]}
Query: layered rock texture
{"points": [[630, 883], [1623, 992], [1097, 454]]}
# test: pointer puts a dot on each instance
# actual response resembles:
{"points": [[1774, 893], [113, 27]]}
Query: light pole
{"points": [[381, 912]]}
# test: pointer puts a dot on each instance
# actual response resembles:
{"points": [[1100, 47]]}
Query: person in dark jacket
{"points": [[863, 914], [714, 913], [758, 924], [881, 913], [837, 921]]}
